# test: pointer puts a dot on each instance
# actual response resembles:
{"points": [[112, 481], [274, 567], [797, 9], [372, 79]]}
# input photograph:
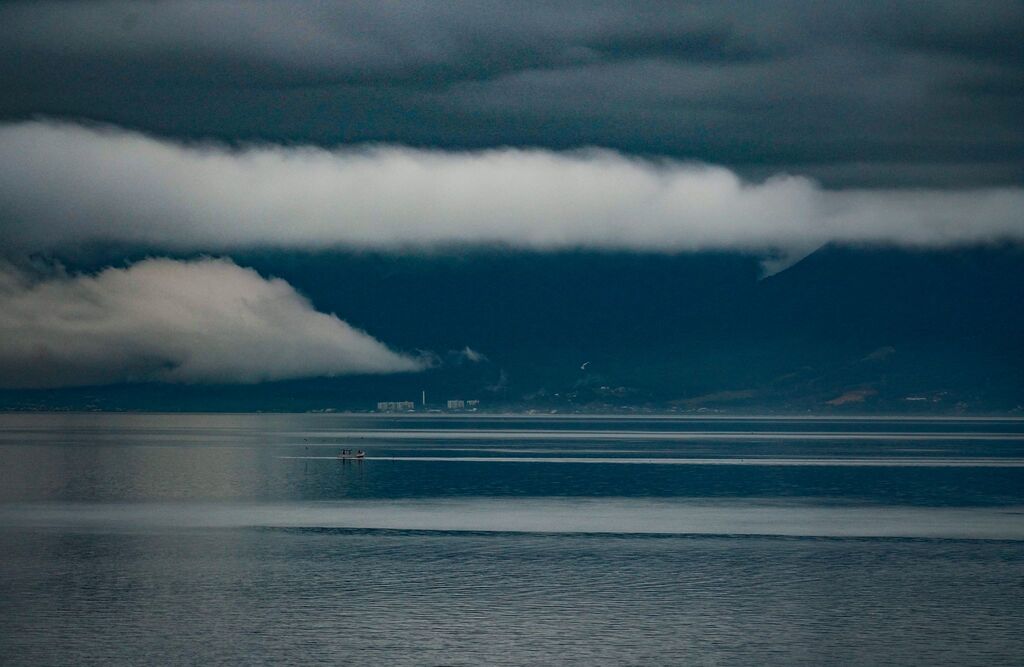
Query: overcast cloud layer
{"points": [[65, 185], [875, 92], [164, 320]]}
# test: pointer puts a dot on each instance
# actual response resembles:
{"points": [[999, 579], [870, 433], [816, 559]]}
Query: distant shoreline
{"points": [[557, 415]]}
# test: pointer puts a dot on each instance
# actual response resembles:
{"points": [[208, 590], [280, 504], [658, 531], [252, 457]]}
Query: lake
{"points": [[483, 540]]}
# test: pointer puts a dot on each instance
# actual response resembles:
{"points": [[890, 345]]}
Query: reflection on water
{"points": [[242, 539], [269, 458]]}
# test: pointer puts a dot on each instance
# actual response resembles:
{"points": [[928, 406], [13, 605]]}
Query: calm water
{"points": [[242, 539]]}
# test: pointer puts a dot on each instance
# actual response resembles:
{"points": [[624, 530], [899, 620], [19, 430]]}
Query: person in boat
{"points": [[360, 454]]}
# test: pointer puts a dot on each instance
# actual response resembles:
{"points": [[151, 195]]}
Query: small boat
{"points": [[348, 455]]}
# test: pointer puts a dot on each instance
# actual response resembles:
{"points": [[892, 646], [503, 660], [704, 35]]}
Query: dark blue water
{"points": [[241, 539]]}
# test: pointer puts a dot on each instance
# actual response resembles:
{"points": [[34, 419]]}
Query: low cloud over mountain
{"points": [[63, 185], [163, 320]]}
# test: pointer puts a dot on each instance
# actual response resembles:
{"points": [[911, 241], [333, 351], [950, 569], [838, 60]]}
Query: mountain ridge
{"points": [[845, 328]]}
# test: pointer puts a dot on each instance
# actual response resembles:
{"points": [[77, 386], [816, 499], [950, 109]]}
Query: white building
{"points": [[460, 404], [395, 406]]}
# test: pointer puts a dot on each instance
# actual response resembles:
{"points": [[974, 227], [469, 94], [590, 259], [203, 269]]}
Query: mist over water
{"points": [[242, 538]]}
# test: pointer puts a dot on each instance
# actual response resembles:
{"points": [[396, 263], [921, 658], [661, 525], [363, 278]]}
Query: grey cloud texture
{"points": [[851, 92], [173, 321], [358, 41], [361, 40], [65, 185]]}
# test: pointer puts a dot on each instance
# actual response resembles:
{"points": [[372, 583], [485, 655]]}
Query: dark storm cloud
{"points": [[415, 43], [976, 30], [867, 94]]}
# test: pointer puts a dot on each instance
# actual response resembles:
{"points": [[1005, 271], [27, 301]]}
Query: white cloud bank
{"points": [[164, 320], [64, 184]]}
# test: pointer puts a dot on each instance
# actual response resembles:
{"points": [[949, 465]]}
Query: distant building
{"points": [[395, 406], [459, 404]]}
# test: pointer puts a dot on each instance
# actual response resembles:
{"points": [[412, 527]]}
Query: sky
{"points": [[206, 129]]}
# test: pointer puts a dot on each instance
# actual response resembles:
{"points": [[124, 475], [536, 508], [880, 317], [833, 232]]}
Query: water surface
{"points": [[242, 539]]}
